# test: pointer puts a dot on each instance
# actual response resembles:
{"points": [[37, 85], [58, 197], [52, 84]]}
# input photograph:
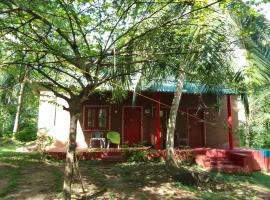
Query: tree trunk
{"points": [[19, 106], [172, 119], [247, 132], [70, 154]]}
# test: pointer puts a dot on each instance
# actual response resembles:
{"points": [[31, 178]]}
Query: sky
{"points": [[264, 9]]}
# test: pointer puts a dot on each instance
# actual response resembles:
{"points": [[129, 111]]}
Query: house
{"points": [[142, 118]]}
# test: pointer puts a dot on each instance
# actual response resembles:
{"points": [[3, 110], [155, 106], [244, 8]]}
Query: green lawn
{"points": [[28, 175]]}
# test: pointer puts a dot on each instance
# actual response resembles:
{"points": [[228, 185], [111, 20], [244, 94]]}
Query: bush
{"points": [[7, 135], [135, 156], [6, 139], [185, 157], [124, 145], [43, 141], [26, 135], [142, 155]]}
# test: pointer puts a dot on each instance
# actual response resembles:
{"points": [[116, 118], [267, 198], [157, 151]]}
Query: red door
{"points": [[196, 128], [132, 125]]}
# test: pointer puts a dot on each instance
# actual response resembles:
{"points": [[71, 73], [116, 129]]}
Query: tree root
{"points": [[200, 180]]}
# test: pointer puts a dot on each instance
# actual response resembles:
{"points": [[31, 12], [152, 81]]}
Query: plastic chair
{"points": [[98, 136], [113, 137]]}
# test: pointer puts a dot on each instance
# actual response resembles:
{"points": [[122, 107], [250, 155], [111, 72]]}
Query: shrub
{"points": [[124, 145], [142, 155], [6, 139], [185, 157], [135, 156], [26, 135], [7, 135], [43, 141]]}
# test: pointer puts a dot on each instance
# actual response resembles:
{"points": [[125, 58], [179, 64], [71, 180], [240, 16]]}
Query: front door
{"points": [[195, 128], [132, 125]]}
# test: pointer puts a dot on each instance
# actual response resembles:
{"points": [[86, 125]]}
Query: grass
{"points": [[14, 162], [58, 179], [7, 153], [12, 182], [262, 179], [243, 186]]}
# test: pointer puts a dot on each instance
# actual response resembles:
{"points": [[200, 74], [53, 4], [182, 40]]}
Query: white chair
{"points": [[98, 136]]}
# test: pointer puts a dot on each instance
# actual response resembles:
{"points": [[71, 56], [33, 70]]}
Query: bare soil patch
{"points": [[35, 182]]}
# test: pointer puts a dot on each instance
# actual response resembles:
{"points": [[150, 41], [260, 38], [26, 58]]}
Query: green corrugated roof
{"points": [[190, 88]]}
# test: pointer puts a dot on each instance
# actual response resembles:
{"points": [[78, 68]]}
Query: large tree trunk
{"points": [[172, 119], [70, 153], [19, 106]]}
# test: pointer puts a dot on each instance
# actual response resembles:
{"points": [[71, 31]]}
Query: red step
{"points": [[221, 163], [228, 168]]}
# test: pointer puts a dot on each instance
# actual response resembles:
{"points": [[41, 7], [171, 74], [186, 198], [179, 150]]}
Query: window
{"points": [[96, 118], [91, 118], [102, 118]]}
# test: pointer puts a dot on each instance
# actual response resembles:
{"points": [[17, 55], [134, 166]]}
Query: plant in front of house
{"points": [[42, 142], [148, 155]]}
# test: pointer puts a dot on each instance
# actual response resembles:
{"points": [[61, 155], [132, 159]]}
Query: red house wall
{"points": [[215, 134]]}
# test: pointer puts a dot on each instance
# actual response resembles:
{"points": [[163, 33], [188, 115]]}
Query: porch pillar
{"points": [[157, 121], [229, 111]]}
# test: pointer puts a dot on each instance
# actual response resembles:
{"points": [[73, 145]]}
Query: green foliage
{"points": [[7, 135], [6, 138], [27, 134], [8, 103], [135, 156], [124, 145], [58, 179], [14, 175], [140, 144], [42, 142], [131, 155], [16, 166], [253, 80], [185, 157], [259, 118]]}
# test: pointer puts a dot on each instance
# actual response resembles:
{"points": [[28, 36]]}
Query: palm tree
{"points": [[254, 33], [205, 62]]}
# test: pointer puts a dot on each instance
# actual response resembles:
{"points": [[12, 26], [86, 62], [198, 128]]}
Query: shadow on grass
{"points": [[11, 174], [261, 179], [112, 180], [131, 181], [244, 187]]}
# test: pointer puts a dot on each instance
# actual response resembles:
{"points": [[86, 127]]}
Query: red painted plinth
{"points": [[229, 111]]}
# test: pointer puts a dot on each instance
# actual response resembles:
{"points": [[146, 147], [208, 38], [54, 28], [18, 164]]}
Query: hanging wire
{"points": [[161, 103]]}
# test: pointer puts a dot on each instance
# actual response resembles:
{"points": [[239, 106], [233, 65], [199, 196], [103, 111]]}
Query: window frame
{"points": [[96, 120]]}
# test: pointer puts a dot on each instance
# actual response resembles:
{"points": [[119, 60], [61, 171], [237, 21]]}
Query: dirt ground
{"points": [[109, 180], [113, 181], [102, 180], [34, 182]]}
